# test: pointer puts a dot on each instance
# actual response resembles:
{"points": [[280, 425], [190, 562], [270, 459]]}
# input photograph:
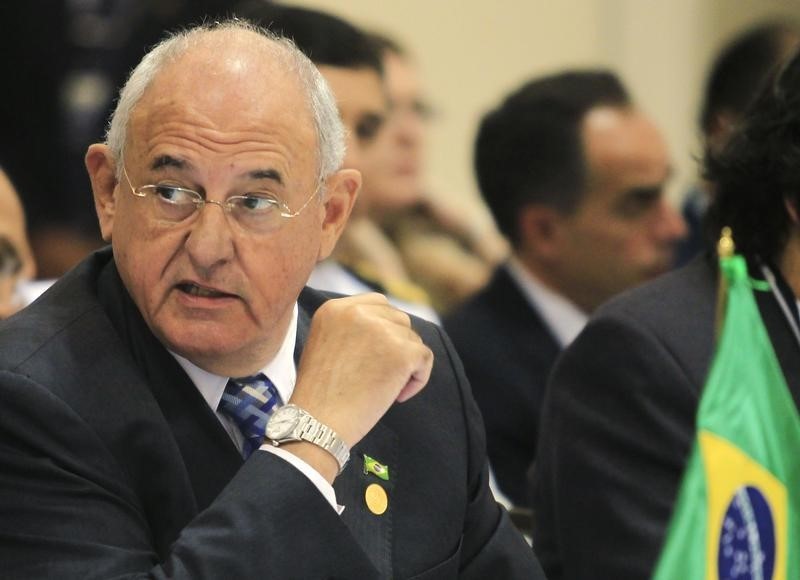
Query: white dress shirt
{"points": [[283, 374], [564, 318]]}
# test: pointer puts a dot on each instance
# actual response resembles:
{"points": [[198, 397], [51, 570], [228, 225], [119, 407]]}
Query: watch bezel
{"points": [[305, 427], [291, 424]]}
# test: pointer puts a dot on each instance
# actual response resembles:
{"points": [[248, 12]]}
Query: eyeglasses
{"points": [[254, 212]]}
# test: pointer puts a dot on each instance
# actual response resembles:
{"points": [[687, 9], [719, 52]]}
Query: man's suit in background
{"points": [[112, 464], [619, 421], [508, 351]]}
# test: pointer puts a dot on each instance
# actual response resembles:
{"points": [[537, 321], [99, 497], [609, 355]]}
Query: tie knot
{"points": [[250, 401]]}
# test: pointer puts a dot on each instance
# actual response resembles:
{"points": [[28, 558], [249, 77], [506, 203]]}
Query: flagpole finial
{"points": [[725, 246]]}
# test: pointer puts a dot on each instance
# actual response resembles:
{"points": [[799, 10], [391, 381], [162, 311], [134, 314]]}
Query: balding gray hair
{"points": [[320, 99]]}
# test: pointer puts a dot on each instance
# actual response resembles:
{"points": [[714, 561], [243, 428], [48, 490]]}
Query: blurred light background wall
{"points": [[472, 53]]}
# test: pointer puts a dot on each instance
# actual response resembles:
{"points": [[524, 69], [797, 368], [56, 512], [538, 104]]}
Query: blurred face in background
{"points": [[363, 106], [396, 181], [624, 230]]}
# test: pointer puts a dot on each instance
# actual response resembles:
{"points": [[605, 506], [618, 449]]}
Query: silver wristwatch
{"points": [[291, 423]]}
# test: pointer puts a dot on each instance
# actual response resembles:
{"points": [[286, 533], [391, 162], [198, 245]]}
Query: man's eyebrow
{"points": [[653, 190], [376, 119], [645, 191], [163, 161], [271, 174]]}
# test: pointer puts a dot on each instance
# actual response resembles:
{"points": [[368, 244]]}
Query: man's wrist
{"points": [[292, 423], [317, 458]]}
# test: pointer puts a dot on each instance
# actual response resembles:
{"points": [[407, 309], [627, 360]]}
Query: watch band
{"points": [[310, 429]]}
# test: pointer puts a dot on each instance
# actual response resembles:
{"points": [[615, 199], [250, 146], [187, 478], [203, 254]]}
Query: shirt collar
{"points": [[280, 370], [564, 318]]}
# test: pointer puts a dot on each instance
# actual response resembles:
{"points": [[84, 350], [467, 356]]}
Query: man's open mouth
{"points": [[201, 291]]}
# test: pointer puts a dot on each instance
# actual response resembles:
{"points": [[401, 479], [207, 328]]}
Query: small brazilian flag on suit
{"points": [[737, 515]]}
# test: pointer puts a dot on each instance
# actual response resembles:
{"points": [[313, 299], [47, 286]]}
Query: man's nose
{"points": [[210, 240], [670, 226]]}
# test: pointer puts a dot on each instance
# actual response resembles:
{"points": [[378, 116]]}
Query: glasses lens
{"points": [[256, 213], [172, 203]]}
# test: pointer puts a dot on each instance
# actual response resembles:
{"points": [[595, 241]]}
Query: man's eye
{"points": [[422, 109], [258, 202], [173, 194], [638, 201], [367, 127]]}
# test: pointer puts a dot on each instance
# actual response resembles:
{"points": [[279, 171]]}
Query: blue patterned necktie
{"points": [[250, 401]]}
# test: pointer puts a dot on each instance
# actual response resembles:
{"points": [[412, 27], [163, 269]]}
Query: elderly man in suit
{"points": [[137, 391], [619, 414], [574, 175]]}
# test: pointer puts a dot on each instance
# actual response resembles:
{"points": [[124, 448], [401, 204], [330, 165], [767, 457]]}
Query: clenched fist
{"points": [[361, 356]]}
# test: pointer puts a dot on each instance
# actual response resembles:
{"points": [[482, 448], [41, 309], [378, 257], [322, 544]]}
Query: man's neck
{"points": [[247, 361], [563, 317], [550, 279]]}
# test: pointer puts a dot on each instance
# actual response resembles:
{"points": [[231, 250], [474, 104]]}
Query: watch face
{"points": [[282, 422]]}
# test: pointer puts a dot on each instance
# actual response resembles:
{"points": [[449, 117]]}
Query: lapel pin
{"points": [[376, 468], [376, 499]]}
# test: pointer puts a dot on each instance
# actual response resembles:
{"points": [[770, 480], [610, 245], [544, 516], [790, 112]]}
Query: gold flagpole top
{"points": [[725, 246], [725, 249]]}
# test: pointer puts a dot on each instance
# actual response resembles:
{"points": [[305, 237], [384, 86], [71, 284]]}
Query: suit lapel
{"points": [[523, 319], [210, 457], [372, 532], [208, 454]]}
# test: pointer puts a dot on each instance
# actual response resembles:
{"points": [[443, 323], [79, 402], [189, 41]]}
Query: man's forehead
{"points": [[622, 136], [357, 88], [243, 58], [226, 87]]}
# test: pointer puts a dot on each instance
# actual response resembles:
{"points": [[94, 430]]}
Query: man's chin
{"points": [[201, 344]]}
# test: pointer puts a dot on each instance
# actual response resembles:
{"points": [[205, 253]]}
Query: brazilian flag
{"points": [[738, 510]]}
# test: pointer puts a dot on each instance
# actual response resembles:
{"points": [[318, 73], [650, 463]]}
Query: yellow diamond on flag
{"points": [[747, 514]]}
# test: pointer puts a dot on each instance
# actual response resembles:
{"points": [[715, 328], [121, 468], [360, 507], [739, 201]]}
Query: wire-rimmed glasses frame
{"points": [[258, 213]]}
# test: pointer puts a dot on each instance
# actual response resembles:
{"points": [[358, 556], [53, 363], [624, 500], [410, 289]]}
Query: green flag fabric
{"points": [[376, 468], [737, 515]]}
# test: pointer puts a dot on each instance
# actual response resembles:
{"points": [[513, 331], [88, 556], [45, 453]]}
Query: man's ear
{"points": [[340, 196], [541, 230], [102, 174]]}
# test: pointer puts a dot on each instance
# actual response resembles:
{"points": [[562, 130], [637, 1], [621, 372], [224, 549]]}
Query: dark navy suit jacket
{"points": [[508, 352], [619, 421], [112, 465]]}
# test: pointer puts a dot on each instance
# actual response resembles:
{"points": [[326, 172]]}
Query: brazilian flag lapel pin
{"points": [[376, 468]]}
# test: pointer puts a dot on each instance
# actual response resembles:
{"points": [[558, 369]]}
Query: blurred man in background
{"points": [[751, 59], [619, 416], [574, 175], [446, 248], [364, 259]]}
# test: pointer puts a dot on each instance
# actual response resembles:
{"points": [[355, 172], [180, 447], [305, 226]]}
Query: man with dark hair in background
{"points": [[364, 260], [574, 175], [619, 414], [738, 72]]}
